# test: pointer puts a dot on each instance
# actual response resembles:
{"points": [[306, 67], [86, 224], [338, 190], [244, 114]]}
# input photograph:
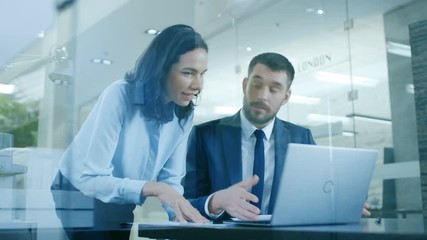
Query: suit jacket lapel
{"points": [[281, 140], [231, 135]]}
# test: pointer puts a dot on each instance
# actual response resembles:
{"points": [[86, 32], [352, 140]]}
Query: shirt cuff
{"points": [[133, 191], [211, 215]]}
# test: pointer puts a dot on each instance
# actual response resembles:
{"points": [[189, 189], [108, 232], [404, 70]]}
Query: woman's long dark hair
{"points": [[153, 67]]}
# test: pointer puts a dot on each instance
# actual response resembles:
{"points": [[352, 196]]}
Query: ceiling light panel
{"points": [[345, 79]]}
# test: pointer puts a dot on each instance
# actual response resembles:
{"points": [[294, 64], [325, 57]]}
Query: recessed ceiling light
{"points": [[304, 99], [101, 61], [96, 60], [320, 11], [248, 49], [40, 34], [345, 79], [326, 118], [152, 31], [348, 133], [106, 62]]}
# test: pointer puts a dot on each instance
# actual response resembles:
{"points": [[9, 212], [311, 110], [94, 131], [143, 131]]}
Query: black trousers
{"points": [[83, 217]]}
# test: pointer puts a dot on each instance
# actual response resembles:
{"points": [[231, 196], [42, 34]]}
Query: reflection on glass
{"points": [[370, 55]]}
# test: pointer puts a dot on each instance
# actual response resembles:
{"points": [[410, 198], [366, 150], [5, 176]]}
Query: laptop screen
{"points": [[321, 185]]}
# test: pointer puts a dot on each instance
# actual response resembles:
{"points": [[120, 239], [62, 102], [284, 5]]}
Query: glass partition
{"points": [[352, 87], [341, 87]]}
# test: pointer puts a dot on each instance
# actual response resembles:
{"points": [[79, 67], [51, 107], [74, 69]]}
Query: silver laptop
{"points": [[321, 185]]}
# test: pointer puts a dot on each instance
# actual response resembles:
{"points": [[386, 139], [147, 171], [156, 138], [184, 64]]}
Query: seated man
{"points": [[225, 159]]}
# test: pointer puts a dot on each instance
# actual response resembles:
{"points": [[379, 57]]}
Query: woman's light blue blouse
{"points": [[117, 151]]}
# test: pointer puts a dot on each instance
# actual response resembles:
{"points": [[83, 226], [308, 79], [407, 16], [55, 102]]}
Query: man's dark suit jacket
{"points": [[214, 158]]}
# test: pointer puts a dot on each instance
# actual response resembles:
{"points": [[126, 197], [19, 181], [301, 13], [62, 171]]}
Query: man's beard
{"points": [[254, 119]]}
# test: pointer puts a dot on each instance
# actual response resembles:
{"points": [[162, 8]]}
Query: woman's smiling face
{"points": [[185, 79]]}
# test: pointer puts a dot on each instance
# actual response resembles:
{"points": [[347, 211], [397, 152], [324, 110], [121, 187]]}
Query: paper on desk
{"points": [[168, 224], [266, 217]]}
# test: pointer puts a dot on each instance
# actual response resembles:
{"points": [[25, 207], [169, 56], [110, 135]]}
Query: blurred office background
{"points": [[354, 83]]}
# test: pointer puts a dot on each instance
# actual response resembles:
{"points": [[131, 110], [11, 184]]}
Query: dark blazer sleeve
{"points": [[310, 139], [196, 182]]}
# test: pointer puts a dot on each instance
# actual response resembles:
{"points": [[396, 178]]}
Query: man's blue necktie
{"points": [[259, 166]]}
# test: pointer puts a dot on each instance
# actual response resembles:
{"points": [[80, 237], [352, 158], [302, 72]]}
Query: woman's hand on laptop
{"points": [[235, 200]]}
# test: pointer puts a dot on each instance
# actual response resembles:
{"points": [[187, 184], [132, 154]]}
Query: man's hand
{"points": [[365, 211], [235, 200], [166, 194]]}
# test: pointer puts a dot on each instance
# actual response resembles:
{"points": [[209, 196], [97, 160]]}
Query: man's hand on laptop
{"points": [[365, 211], [235, 200]]}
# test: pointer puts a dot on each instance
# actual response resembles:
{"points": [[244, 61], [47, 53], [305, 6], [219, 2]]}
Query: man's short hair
{"points": [[275, 62]]}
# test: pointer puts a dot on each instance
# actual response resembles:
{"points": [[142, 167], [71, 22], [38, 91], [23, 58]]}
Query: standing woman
{"points": [[133, 143]]}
